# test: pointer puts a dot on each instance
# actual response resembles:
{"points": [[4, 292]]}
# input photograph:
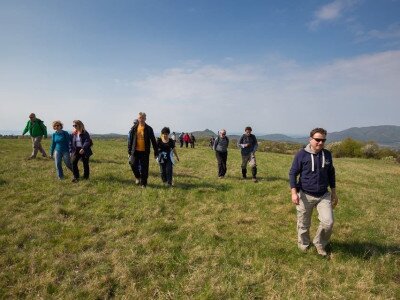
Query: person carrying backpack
{"points": [[186, 139], [37, 131], [220, 147]]}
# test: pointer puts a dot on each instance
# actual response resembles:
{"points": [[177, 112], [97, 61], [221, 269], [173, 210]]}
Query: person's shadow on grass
{"points": [[365, 250]]}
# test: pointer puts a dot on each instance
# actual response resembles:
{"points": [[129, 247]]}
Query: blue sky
{"points": [[278, 66]]}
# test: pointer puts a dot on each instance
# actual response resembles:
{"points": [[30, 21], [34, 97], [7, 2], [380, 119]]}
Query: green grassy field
{"points": [[206, 238]]}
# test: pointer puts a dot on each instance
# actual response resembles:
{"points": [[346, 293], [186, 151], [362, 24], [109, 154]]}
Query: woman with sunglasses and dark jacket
{"points": [[80, 149]]}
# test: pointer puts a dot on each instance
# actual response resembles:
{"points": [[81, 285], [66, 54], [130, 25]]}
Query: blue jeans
{"points": [[166, 170], [58, 157]]}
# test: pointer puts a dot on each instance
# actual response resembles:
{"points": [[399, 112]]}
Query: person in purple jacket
{"points": [[315, 166], [80, 148]]}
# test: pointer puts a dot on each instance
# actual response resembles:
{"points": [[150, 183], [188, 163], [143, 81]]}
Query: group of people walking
{"points": [[186, 139], [248, 146], [140, 139], [70, 148], [311, 174]]}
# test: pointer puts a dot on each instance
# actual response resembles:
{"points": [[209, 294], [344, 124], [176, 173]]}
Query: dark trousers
{"points": [[181, 142], [221, 158], [246, 158], [192, 145], [166, 172], [186, 143], [140, 166], [75, 159]]}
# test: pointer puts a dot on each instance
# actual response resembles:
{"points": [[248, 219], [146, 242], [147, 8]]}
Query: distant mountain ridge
{"points": [[385, 135]]}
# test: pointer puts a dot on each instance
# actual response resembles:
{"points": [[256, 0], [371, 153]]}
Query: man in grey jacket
{"points": [[220, 146]]}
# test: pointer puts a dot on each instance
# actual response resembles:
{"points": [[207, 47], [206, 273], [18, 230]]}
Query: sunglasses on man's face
{"points": [[320, 140], [74, 125]]}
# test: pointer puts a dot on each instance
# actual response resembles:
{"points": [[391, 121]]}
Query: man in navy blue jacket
{"points": [[315, 167], [248, 146]]}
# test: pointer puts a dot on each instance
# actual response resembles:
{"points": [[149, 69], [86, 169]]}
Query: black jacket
{"points": [[148, 137]]}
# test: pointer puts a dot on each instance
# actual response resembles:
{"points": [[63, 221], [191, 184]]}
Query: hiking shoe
{"points": [[75, 180], [137, 181], [220, 177], [303, 248], [321, 251], [255, 180], [31, 157]]}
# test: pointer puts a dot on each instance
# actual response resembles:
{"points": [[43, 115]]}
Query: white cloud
{"points": [[352, 92], [392, 32], [274, 96], [388, 38], [331, 12]]}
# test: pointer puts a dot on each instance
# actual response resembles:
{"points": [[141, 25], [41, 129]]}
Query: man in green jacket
{"points": [[37, 130]]}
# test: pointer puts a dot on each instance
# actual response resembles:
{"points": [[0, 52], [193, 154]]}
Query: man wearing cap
{"points": [[141, 136], [315, 166], [37, 130]]}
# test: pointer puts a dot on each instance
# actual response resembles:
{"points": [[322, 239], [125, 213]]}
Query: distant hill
{"points": [[282, 138], [108, 135], [384, 134], [207, 133]]}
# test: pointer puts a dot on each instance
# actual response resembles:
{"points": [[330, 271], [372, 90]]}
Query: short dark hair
{"points": [[318, 130], [165, 130], [248, 128]]}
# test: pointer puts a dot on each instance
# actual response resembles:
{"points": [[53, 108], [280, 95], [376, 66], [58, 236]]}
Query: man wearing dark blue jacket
{"points": [[317, 173], [248, 146]]}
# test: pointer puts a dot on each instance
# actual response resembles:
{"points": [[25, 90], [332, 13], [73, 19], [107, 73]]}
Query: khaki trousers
{"points": [[325, 216], [37, 146]]}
